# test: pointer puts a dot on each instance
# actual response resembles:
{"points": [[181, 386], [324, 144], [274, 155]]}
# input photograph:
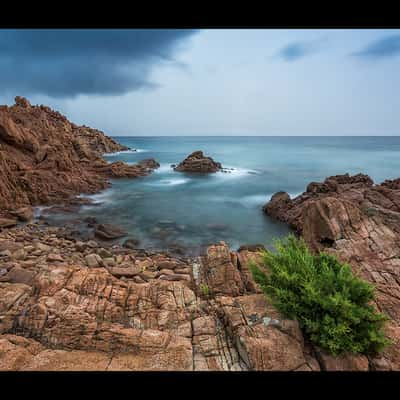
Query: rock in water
{"points": [[131, 243], [197, 162], [45, 159], [109, 232], [24, 214]]}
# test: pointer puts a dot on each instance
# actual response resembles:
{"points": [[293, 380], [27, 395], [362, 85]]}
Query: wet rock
{"points": [[24, 214], [197, 162], [131, 243], [109, 232], [91, 221]]}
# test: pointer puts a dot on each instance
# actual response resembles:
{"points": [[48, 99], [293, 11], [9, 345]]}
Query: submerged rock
{"points": [[109, 232], [131, 243], [197, 162]]}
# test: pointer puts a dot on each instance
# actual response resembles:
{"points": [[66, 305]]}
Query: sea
{"points": [[174, 209]]}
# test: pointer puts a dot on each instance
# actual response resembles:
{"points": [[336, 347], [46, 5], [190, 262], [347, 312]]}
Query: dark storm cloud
{"points": [[295, 51], [65, 63], [386, 47]]}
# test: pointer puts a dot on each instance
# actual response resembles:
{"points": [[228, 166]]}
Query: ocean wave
{"points": [[169, 182], [132, 151], [99, 198], [164, 168], [38, 210], [237, 172]]}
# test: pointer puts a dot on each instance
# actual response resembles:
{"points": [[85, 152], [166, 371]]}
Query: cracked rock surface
{"points": [[59, 313], [359, 222]]}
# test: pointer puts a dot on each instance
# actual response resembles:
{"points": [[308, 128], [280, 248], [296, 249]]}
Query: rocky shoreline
{"points": [[76, 305], [45, 159], [69, 302]]}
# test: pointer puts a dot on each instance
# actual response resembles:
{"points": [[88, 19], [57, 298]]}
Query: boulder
{"points": [[93, 260], [131, 243], [109, 232], [24, 214], [197, 162], [7, 223]]}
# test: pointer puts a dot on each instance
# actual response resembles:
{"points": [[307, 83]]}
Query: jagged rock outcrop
{"points": [[44, 158], [358, 221], [198, 162], [135, 310]]}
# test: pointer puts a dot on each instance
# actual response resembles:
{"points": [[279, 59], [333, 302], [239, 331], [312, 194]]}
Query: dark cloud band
{"points": [[386, 47], [66, 63], [297, 50]]}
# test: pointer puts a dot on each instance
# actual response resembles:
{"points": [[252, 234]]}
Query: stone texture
{"points": [[198, 162], [63, 315], [357, 221], [45, 159]]}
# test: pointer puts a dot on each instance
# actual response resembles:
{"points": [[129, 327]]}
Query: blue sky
{"points": [[210, 82]]}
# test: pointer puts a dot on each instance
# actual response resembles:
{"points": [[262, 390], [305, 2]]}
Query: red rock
{"points": [[357, 221], [197, 162], [7, 222], [45, 159]]}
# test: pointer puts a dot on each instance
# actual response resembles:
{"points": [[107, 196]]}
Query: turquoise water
{"points": [[170, 207]]}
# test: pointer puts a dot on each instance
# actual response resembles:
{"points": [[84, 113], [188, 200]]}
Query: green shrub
{"points": [[332, 305], [205, 290]]}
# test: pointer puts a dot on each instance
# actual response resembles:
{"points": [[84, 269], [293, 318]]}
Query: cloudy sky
{"points": [[210, 82]]}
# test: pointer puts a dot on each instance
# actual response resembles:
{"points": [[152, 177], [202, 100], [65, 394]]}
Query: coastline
{"points": [[72, 302]]}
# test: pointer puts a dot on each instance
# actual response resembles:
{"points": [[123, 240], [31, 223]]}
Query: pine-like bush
{"points": [[332, 305]]}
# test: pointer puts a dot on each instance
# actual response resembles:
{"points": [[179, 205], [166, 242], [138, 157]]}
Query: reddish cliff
{"points": [[44, 158]]}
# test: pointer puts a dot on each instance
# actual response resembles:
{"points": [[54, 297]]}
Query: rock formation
{"points": [[44, 158], [197, 162], [357, 221], [75, 305]]}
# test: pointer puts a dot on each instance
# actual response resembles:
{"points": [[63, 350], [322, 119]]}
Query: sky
{"points": [[210, 81]]}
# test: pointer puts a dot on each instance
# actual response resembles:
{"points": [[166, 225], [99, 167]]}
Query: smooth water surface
{"points": [[169, 207]]}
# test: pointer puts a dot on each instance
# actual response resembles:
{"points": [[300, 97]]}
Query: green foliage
{"points": [[332, 305], [205, 289]]}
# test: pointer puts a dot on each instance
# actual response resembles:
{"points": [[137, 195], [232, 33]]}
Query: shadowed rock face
{"points": [[44, 158], [197, 162], [359, 222]]}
